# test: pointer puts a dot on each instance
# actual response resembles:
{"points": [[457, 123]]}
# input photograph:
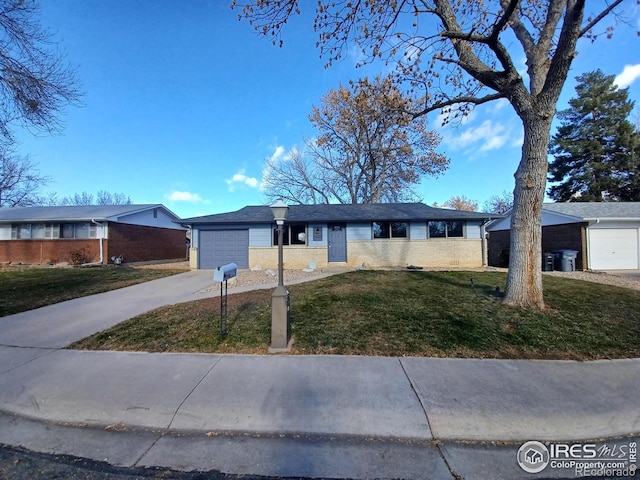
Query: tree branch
{"points": [[599, 17], [458, 100]]}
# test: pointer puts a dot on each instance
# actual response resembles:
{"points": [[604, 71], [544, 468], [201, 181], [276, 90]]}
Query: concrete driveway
{"points": [[58, 325]]}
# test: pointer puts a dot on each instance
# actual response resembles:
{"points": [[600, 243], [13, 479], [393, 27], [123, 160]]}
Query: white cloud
{"points": [[490, 136], [240, 179], [629, 74], [498, 105], [178, 196], [279, 151], [279, 157]]}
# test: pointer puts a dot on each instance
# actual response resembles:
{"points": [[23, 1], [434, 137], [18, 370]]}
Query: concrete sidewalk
{"points": [[203, 412], [304, 416]]}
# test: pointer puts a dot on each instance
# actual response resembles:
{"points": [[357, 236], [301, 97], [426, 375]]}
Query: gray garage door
{"points": [[224, 246]]}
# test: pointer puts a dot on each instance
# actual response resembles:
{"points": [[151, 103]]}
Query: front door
{"points": [[337, 242]]}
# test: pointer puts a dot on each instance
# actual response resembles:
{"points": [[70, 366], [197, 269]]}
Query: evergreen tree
{"points": [[596, 147]]}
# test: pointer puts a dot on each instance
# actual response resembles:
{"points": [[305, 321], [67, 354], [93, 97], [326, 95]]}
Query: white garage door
{"points": [[613, 249], [219, 247]]}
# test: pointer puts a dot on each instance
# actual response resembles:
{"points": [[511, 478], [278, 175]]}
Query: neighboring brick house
{"points": [[90, 234], [370, 235], [606, 235]]}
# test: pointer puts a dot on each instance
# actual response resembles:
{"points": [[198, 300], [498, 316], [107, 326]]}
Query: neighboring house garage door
{"points": [[613, 249], [218, 247]]}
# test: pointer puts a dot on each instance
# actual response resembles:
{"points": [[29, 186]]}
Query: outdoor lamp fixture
{"points": [[279, 211], [280, 325]]}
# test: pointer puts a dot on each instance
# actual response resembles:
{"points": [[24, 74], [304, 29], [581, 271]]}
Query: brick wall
{"points": [[450, 252], [137, 243], [569, 236], [193, 258], [435, 252], [45, 252], [294, 257]]}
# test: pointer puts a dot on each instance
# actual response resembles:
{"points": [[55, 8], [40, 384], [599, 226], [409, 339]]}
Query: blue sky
{"points": [[183, 103]]}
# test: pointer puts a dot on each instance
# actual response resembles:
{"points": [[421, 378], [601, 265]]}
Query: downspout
{"points": [[483, 241], [101, 241]]}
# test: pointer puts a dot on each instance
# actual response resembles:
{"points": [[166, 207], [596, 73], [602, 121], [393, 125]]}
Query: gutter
{"points": [[612, 219]]}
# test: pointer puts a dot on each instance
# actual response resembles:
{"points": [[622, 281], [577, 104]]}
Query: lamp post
{"points": [[280, 326]]}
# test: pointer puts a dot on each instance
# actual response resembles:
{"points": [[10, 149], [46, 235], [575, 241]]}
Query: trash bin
{"points": [[565, 260], [547, 262]]}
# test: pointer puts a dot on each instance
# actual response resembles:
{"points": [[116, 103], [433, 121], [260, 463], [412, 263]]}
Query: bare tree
{"points": [[35, 83], [296, 179], [20, 180], [461, 54], [85, 199], [369, 150], [460, 202], [107, 198], [499, 204]]}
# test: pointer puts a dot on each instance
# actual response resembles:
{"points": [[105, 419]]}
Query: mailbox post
{"points": [[222, 274], [280, 324]]}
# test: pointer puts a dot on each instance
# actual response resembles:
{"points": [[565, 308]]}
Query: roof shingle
{"points": [[341, 213], [72, 213], [596, 210]]}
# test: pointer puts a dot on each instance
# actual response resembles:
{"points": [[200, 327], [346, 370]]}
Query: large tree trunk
{"points": [[524, 280]]}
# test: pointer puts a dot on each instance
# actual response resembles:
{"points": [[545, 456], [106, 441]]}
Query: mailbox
{"points": [[225, 272]]}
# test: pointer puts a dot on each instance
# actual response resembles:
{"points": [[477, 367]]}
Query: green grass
{"points": [[401, 313], [29, 288]]}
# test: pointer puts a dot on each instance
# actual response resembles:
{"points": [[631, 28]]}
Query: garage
{"points": [[613, 248], [218, 247]]}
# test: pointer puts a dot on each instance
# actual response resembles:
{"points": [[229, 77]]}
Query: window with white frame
{"points": [[48, 231]]}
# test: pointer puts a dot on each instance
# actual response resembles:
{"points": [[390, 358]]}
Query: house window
{"points": [[67, 230], [446, 229], [20, 231], [78, 230], [39, 230], [437, 229], [292, 234], [82, 230], [53, 230], [390, 229], [454, 229]]}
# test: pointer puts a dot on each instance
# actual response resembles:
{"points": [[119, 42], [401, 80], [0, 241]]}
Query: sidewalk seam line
{"points": [[436, 442], [166, 430], [193, 390], [48, 351]]}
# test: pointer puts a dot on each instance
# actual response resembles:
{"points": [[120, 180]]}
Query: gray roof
{"points": [[75, 213], [341, 213], [596, 210]]}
